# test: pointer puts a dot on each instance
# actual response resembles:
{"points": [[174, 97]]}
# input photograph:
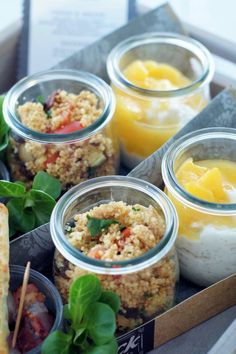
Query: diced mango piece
{"points": [[189, 172], [136, 72], [202, 182], [161, 85], [197, 190], [151, 66], [164, 71], [212, 180]]}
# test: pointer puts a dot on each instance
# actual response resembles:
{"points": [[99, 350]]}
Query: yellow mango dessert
{"points": [[206, 241], [210, 180], [145, 122]]}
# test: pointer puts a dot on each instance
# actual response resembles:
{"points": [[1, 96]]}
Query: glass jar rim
{"points": [[94, 82], [170, 179], [37, 277], [114, 267], [117, 77]]}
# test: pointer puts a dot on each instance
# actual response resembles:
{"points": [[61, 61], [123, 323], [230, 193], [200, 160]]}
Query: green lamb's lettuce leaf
{"points": [[109, 348], [83, 292], [32, 208], [4, 129], [22, 219], [80, 338], [43, 205], [111, 299], [48, 184], [10, 189], [96, 225], [57, 343], [101, 323], [90, 323]]}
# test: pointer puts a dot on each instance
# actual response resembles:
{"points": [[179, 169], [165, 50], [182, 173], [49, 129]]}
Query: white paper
{"points": [[58, 28]]}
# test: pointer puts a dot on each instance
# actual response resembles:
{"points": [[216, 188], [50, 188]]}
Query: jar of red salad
{"points": [[61, 124]]}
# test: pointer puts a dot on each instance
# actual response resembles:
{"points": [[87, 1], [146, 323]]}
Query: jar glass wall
{"points": [[61, 123], [161, 81], [207, 230], [146, 283]]}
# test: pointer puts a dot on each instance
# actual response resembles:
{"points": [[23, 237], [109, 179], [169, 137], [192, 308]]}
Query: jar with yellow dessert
{"points": [[161, 81], [199, 171]]}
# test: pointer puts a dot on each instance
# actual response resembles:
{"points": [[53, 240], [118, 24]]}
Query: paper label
{"points": [[58, 28], [138, 341]]}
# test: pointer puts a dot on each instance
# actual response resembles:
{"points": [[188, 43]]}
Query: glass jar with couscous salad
{"points": [[61, 122], [161, 81], [123, 230]]}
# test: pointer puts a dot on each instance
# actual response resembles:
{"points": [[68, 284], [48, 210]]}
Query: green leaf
{"points": [[20, 183], [28, 201], [135, 209], [57, 343], [80, 337], [4, 140], [96, 225], [40, 99], [20, 219], [83, 292], [101, 323], [4, 129], [43, 206], [109, 348], [12, 230], [66, 312], [10, 189], [48, 184], [111, 299]]}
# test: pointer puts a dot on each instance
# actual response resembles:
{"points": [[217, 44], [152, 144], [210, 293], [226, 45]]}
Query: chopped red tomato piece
{"points": [[126, 232], [69, 128], [96, 252], [52, 158]]}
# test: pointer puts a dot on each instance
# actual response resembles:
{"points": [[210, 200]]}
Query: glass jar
{"points": [[206, 240], [145, 284], [146, 118], [53, 300], [70, 155]]}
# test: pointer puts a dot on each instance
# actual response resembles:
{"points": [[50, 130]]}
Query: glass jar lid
{"points": [[203, 144], [102, 190], [46, 82], [181, 52]]}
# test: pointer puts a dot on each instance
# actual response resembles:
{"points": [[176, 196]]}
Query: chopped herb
{"points": [[40, 99], [135, 209], [92, 172], [69, 226], [122, 227], [49, 114], [96, 225]]}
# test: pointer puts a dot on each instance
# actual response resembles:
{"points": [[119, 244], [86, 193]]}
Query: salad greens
{"points": [[4, 129], [135, 209], [40, 99], [96, 225], [91, 320], [30, 208]]}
